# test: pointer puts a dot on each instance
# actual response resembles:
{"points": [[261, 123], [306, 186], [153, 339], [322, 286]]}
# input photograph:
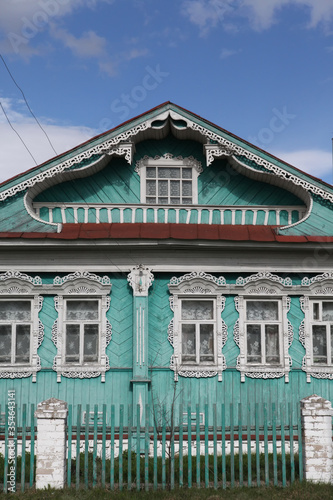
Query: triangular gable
{"points": [[158, 123]]}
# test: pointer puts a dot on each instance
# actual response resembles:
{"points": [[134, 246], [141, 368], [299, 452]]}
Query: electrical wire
{"points": [[16, 132], [34, 116]]}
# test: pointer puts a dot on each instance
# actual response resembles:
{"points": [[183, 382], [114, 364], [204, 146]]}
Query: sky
{"points": [[261, 69]]}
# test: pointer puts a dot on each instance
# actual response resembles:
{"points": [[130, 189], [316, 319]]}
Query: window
{"points": [[263, 332], [169, 181], [263, 328], [198, 325], [15, 332], [197, 331], [322, 333], [21, 330], [169, 185], [82, 331]]}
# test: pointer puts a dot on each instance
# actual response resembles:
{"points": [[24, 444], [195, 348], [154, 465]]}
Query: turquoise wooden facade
{"points": [[255, 228]]}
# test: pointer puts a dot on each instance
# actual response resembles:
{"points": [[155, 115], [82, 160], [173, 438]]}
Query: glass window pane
{"points": [[151, 188], [90, 344], [188, 343], [151, 172], [319, 344], [18, 310], [327, 311], [174, 173], [187, 173], [163, 201], [73, 343], [187, 188], [187, 201], [163, 188], [206, 342], [253, 344], [163, 173], [260, 310], [5, 343], [175, 201], [150, 200], [197, 309], [22, 344], [174, 188], [272, 344], [82, 310], [316, 311]]}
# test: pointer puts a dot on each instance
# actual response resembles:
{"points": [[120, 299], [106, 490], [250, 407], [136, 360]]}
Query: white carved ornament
{"points": [[105, 280], [198, 274], [140, 280], [264, 276], [34, 280], [189, 161]]}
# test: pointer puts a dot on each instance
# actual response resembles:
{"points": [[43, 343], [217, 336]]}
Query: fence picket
{"points": [[189, 447], [95, 447], [283, 446], [32, 445], [147, 449], [86, 447], [206, 448], [249, 464], [300, 447], [266, 445], [224, 472], [24, 431], [181, 470], [112, 448], [240, 442], [69, 439], [78, 439], [163, 447], [138, 438], [121, 438], [291, 444], [257, 444], [215, 444], [129, 448], [103, 446], [232, 447], [197, 436], [155, 451], [275, 471]]}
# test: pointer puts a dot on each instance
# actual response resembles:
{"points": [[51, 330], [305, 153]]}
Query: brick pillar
{"points": [[317, 439], [51, 444]]}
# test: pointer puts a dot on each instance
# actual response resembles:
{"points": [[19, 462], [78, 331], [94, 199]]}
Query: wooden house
{"points": [[164, 261]]}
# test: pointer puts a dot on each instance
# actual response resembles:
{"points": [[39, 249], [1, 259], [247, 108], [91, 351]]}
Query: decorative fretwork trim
{"points": [[264, 276], [328, 275], [189, 161], [105, 280], [140, 280], [198, 274], [34, 280]]}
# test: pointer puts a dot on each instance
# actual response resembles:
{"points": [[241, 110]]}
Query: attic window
{"points": [[169, 181]]}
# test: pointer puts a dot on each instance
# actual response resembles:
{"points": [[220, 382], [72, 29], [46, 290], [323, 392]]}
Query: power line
{"points": [[16, 132], [34, 116]]}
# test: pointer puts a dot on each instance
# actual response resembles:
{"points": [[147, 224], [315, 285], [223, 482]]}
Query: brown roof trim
{"points": [[160, 231]]}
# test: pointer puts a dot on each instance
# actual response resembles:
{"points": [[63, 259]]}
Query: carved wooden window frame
{"points": [[263, 287], [82, 286], [317, 289], [197, 286], [167, 160], [15, 285]]}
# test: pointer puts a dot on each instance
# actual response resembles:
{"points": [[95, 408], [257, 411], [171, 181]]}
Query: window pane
{"points": [[272, 344], [163, 173], [188, 343], [206, 343], [262, 311], [73, 343], [90, 345], [174, 188], [174, 173], [316, 311], [175, 201], [187, 173], [186, 188], [319, 344], [327, 311], [162, 188], [81, 310], [22, 344], [11, 310], [150, 200], [187, 201], [151, 172], [5, 343], [151, 188], [253, 344], [197, 309], [163, 201]]}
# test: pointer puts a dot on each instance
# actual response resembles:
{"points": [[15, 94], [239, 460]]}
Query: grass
{"points": [[299, 491]]}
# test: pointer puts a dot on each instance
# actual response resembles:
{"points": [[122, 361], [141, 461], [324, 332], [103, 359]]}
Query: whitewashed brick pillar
{"points": [[317, 439], [51, 444]]}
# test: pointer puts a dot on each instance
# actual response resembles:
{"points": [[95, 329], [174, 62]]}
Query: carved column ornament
{"points": [[140, 279]]}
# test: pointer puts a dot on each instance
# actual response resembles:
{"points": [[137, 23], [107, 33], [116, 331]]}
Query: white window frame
{"points": [[81, 286], [168, 160], [318, 289], [263, 287], [17, 286], [202, 287]]}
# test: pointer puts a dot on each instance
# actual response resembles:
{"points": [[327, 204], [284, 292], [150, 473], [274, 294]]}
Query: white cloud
{"points": [[316, 162], [14, 158], [88, 45], [225, 53], [261, 14]]}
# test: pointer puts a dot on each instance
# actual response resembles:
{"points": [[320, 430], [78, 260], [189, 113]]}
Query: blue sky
{"points": [[262, 69]]}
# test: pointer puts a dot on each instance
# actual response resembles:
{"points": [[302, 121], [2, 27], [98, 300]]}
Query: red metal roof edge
{"points": [[150, 111], [161, 231]]}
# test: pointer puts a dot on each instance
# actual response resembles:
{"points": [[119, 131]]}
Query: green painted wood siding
{"points": [[15, 218], [118, 183]]}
